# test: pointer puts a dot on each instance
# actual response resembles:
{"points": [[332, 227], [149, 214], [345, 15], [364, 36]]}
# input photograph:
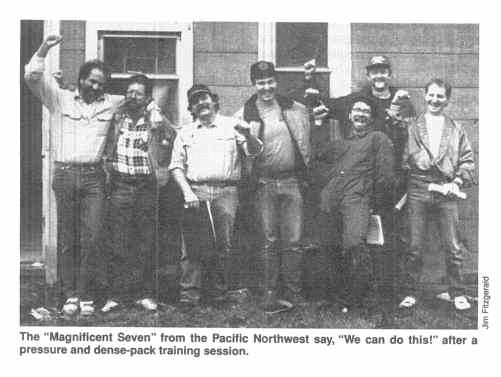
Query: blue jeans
{"points": [[421, 205], [279, 205], [132, 220], [79, 192], [203, 259]]}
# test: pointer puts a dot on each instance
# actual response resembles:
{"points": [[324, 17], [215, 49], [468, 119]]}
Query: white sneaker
{"points": [[87, 307], [461, 303], [444, 296], [109, 306], [147, 304], [71, 306], [408, 302]]}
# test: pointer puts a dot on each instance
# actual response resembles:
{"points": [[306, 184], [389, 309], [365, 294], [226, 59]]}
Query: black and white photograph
{"points": [[249, 174]]}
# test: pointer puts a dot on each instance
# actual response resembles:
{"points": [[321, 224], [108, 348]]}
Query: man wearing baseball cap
{"points": [[392, 112], [283, 127], [206, 164]]}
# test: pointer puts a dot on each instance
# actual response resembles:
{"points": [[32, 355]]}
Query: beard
{"points": [[90, 95]]}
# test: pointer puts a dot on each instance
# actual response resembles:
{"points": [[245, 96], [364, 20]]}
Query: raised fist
{"points": [[309, 68], [52, 40]]}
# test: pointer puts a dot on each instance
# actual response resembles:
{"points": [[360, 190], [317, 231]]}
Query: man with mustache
{"points": [[207, 164], [392, 113], [283, 126], [79, 125], [360, 167], [137, 156], [438, 152]]}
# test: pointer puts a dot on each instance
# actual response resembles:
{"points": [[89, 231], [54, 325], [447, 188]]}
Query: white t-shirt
{"points": [[434, 126]]}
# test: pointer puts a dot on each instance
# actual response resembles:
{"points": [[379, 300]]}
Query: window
{"points": [[145, 54], [299, 42], [291, 44], [161, 50]]}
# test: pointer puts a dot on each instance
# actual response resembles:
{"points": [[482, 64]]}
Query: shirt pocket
{"points": [[102, 122]]}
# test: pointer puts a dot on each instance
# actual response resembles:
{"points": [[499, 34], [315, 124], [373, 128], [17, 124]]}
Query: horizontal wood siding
{"points": [[223, 53], [419, 52]]}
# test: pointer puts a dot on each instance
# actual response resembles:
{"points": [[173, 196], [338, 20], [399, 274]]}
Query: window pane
{"points": [[147, 55], [164, 93], [298, 42]]}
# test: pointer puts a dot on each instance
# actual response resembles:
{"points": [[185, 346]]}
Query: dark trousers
{"points": [[79, 192], [421, 204], [132, 220], [206, 262], [343, 232]]}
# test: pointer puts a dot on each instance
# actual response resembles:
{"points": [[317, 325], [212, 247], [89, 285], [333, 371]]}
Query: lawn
{"points": [[431, 313]]}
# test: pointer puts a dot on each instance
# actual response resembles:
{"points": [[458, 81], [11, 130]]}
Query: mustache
{"points": [[360, 118], [203, 106]]}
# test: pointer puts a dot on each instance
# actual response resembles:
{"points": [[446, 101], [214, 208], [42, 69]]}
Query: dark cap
{"points": [[378, 61], [261, 70], [197, 90]]}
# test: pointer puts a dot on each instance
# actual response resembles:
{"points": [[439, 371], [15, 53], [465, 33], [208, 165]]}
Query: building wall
{"points": [[72, 53], [419, 52], [223, 53]]}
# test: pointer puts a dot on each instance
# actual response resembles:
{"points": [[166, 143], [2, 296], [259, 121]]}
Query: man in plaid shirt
{"points": [[137, 157]]}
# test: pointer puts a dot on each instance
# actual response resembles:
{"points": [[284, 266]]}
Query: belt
{"points": [[214, 183], [131, 178], [77, 165]]}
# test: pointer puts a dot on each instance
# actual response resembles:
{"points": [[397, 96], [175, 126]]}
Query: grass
{"points": [[429, 314]]}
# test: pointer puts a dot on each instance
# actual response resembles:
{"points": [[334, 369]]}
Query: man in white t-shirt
{"points": [[438, 152]]}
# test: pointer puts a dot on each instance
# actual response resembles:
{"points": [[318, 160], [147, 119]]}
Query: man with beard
{"points": [[79, 125], [207, 164], [438, 153], [360, 167], [283, 126], [137, 156]]}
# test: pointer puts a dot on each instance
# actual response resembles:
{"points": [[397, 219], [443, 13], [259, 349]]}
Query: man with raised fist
{"points": [[78, 126]]}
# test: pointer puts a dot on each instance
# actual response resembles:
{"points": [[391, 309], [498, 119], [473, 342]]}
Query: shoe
{"points": [[189, 297], [109, 306], [278, 306], [444, 296], [407, 302], [148, 304], [71, 306], [461, 303], [87, 308]]}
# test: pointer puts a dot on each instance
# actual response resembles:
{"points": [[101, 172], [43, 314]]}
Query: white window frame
{"points": [[338, 54], [184, 51]]}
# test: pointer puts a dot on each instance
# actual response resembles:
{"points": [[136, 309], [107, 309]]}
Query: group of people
{"points": [[113, 153]]}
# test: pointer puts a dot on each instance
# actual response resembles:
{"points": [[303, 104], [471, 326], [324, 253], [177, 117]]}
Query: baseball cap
{"points": [[378, 60], [260, 70], [197, 90]]}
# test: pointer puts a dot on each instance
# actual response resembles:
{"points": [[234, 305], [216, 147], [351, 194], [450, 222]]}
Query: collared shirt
{"points": [[131, 156], [78, 130], [279, 154], [209, 153]]}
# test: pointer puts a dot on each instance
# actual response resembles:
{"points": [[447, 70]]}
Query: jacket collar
{"points": [[251, 112], [444, 139]]}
